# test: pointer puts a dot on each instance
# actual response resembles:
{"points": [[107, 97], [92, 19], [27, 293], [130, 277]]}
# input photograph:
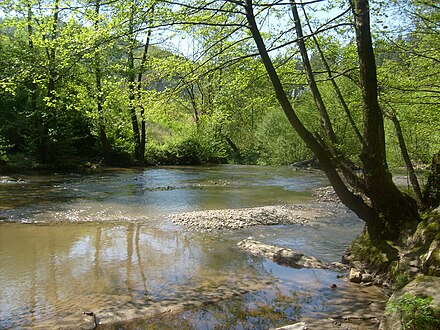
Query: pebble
{"points": [[243, 218], [260, 216]]}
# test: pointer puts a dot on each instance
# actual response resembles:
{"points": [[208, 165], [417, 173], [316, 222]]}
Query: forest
{"points": [[162, 82]]}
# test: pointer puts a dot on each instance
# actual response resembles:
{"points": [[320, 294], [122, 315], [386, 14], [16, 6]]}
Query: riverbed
{"points": [[111, 247]]}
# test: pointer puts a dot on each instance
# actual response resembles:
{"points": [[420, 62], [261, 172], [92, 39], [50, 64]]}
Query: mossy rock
{"points": [[427, 231], [421, 289], [365, 252], [431, 260]]}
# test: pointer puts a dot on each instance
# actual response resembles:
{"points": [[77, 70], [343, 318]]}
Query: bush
{"points": [[277, 142], [401, 280], [191, 149], [415, 312]]}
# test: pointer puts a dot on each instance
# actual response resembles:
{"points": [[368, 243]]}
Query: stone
{"points": [[345, 259], [366, 278], [421, 286], [282, 256], [414, 263], [296, 326], [355, 276], [339, 266]]}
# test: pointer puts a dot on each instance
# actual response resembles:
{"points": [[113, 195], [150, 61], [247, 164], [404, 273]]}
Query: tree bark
{"points": [[390, 210], [132, 88], [409, 166], [394, 209], [431, 194]]}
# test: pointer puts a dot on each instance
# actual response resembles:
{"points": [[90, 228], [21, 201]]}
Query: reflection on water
{"points": [[54, 272], [124, 261]]}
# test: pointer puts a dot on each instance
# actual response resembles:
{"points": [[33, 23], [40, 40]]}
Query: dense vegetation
{"points": [[95, 81]]}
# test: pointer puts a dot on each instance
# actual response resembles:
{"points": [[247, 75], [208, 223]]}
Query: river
{"points": [[102, 242]]}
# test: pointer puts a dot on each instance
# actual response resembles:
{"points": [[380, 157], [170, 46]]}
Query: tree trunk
{"points": [[32, 84], [347, 197], [143, 134], [325, 119], [105, 147], [334, 84], [431, 194], [394, 209], [409, 166], [36, 115], [49, 117], [132, 88], [331, 141], [390, 210]]}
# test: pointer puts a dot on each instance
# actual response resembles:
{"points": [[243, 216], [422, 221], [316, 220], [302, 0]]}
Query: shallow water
{"points": [[136, 194], [123, 259]]}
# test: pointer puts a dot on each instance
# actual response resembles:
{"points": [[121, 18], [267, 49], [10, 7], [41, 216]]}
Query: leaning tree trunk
{"points": [[354, 202], [388, 210], [409, 166]]}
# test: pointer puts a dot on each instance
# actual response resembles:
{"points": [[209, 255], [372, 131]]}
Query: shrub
{"points": [[401, 280], [415, 312]]}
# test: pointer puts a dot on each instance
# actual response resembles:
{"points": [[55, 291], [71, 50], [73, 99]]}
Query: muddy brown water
{"points": [[102, 243]]}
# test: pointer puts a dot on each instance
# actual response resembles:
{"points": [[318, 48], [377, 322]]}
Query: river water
{"points": [[102, 243]]}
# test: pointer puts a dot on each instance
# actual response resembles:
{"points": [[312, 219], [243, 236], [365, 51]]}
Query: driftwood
{"points": [[285, 256]]}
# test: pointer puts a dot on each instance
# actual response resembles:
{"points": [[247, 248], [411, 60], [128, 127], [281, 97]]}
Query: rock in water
{"points": [[282, 256], [296, 326]]}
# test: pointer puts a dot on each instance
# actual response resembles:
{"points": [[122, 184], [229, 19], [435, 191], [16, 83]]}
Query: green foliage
{"points": [[204, 105], [408, 74], [401, 280], [196, 147], [415, 312], [277, 142]]}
